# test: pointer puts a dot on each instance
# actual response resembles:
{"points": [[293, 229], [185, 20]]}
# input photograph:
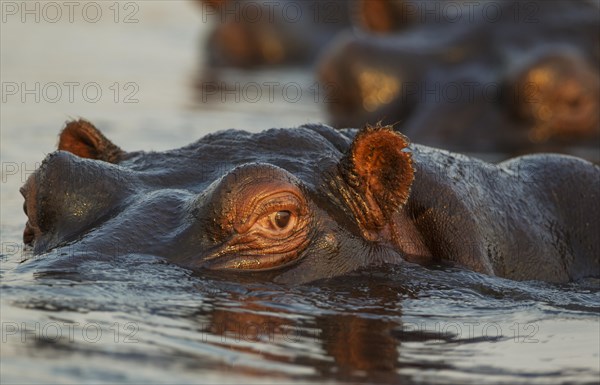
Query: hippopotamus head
{"points": [[297, 205], [293, 204]]}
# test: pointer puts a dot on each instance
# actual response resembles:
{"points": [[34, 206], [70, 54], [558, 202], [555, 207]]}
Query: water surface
{"points": [[138, 319]]}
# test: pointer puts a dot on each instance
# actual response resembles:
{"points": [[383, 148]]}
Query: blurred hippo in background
{"points": [[254, 34], [303, 204], [501, 76]]}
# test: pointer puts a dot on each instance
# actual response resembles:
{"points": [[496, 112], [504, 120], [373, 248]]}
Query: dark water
{"points": [[137, 319]]}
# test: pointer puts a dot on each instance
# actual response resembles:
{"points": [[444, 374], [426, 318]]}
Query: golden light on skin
{"points": [[377, 89], [79, 205], [247, 264], [558, 103], [80, 209], [541, 77]]}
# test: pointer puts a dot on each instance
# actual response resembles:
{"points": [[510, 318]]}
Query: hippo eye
{"points": [[279, 222], [271, 229], [282, 218]]}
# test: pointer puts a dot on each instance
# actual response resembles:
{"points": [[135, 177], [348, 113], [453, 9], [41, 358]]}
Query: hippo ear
{"points": [[379, 172], [81, 138]]}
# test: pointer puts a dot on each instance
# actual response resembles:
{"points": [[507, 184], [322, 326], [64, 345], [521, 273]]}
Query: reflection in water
{"points": [[349, 343], [385, 324]]}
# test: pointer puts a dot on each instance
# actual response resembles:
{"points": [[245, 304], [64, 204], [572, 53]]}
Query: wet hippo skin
{"points": [[297, 205], [510, 77]]}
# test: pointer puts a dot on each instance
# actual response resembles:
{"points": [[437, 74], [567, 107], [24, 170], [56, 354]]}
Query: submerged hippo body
{"points": [[312, 202], [508, 76]]}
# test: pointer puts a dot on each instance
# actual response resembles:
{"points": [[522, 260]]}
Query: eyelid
{"points": [[277, 205], [279, 201]]}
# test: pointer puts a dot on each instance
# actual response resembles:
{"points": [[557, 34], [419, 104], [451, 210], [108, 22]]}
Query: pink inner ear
{"points": [[379, 170], [380, 158], [76, 139], [74, 144], [81, 138]]}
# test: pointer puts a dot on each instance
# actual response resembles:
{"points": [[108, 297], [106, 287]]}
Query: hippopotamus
{"points": [[506, 77], [312, 202], [252, 34]]}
